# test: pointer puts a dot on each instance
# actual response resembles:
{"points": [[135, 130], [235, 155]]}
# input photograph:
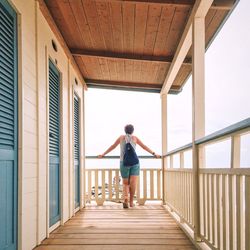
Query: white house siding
{"points": [[35, 49]]}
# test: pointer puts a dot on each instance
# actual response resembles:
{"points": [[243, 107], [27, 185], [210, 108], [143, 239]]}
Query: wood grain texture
{"points": [[130, 30], [111, 227]]}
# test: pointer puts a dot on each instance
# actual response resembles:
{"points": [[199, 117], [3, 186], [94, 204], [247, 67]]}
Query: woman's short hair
{"points": [[129, 129]]}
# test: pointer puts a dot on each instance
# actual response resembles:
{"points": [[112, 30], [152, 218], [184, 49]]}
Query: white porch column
{"points": [[198, 110], [164, 143], [82, 157]]}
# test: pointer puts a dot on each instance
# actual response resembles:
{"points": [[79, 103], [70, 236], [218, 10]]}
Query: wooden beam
{"points": [[46, 13], [123, 84], [122, 56], [130, 86], [200, 9], [223, 4], [217, 4]]}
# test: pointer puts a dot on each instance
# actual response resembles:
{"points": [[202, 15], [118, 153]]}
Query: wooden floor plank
{"points": [[117, 236], [115, 247], [118, 230], [111, 228], [120, 241]]}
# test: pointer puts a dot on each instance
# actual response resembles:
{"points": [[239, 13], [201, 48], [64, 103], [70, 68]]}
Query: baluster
{"points": [[89, 185], [208, 197], [224, 212], [188, 199], [174, 190], [138, 189], [230, 212], [110, 185], [201, 203], [213, 223], [144, 185], [117, 191], [151, 184], [96, 189], [185, 195], [103, 187], [218, 211], [181, 197], [159, 184], [247, 212], [238, 211], [205, 204]]}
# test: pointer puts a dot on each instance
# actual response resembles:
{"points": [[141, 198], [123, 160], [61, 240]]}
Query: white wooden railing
{"points": [[223, 194], [107, 184]]}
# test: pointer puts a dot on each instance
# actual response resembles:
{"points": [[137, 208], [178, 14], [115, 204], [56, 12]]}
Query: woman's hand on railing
{"points": [[157, 156], [100, 156]]}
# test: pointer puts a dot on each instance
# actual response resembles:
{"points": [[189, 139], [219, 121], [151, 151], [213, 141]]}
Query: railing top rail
{"points": [[244, 124], [117, 168], [177, 150], [225, 131], [118, 157]]}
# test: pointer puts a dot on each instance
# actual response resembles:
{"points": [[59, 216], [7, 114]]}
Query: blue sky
{"points": [[227, 100]]}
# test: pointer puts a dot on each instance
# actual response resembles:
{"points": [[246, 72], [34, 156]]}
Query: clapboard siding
{"points": [[35, 50]]}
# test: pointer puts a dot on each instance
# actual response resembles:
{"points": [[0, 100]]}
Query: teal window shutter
{"points": [[77, 149], [8, 127], [54, 144]]}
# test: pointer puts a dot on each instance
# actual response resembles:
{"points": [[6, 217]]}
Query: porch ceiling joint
{"points": [[129, 85], [122, 56]]}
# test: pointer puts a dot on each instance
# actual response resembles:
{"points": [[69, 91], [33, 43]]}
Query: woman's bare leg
{"points": [[132, 188], [125, 190]]}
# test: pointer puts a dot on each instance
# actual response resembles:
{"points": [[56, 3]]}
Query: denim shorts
{"points": [[128, 171]]}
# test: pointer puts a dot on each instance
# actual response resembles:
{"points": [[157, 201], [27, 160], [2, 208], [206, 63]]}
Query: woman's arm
{"points": [[113, 146], [146, 148]]}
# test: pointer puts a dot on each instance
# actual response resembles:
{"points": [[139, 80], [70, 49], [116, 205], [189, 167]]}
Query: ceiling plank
{"points": [[217, 4], [121, 56], [200, 8]]}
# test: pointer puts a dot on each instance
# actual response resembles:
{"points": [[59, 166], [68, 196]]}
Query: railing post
{"points": [[198, 111], [164, 143], [235, 151]]}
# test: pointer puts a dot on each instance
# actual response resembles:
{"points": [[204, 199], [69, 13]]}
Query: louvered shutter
{"points": [[77, 150], [76, 129], [8, 127], [54, 144], [7, 80], [54, 111]]}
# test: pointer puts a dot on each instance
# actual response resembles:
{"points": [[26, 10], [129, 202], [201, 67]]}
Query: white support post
{"points": [[82, 154], [164, 143], [198, 103]]}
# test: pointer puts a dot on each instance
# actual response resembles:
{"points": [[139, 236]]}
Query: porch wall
{"points": [[35, 49]]}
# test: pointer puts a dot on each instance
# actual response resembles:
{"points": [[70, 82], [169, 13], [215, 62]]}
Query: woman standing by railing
{"points": [[131, 173]]}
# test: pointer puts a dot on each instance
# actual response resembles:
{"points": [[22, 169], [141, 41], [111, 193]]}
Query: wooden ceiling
{"points": [[127, 43]]}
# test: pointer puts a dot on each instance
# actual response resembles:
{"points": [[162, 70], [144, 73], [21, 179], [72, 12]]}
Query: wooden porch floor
{"points": [[110, 227]]}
